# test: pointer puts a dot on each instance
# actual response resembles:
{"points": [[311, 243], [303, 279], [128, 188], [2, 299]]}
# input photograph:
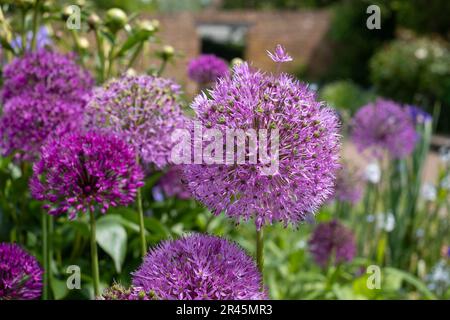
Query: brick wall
{"points": [[301, 32]]}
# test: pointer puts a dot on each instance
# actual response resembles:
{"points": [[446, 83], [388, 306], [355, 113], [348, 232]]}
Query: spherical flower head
{"points": [[20, 274], [85, 170], [298, 177], [207, 68], [384, 127], [349, 185], [46, 72], [200, 267], [29, 119], [332, 242], [118, 292], [172, 183], [145, 110]]}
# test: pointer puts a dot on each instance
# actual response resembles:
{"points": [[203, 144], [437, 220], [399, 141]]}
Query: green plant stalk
{"points": [[111, 60], [94, 255], [101, 55], [141, 224], [35, 25], [45, 256], [141, 218], [23, 33], [135, 55], [162, 67], [260, 250]]}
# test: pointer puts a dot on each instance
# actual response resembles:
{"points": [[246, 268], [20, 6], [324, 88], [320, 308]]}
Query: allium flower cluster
{"points": [[332, 242], [207, 68], [29, 119], [307, 156], [145, 110], [20, 274], [349, 185], [118, 292], [200, 267], [384, 126], [172, 183], [46, 72], [84, 170]]}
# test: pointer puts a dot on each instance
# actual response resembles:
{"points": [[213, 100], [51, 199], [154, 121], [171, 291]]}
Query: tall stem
{"points": [[141, 223], [94, 255], [45, 256], [35, 25], [260, 250], [141, 218]]}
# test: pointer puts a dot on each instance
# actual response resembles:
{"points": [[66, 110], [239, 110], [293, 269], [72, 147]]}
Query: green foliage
{"points": [[414, 71], [346, 95]]}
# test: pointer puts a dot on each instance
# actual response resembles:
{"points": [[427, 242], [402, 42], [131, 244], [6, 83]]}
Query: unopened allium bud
{"points": [[93, 21], [116, 19], [83, 43], [146, 26]]}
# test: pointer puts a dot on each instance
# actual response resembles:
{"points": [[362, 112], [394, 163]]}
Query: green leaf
{"points": [[407, 277], [112, 238]]}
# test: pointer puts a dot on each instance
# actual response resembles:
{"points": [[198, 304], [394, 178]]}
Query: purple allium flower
{"points": [[418, 115], [308, 148], [332, 242], [42, 39], [207, 68], [200, 267], [280, 55], [118, 292], [384, 126], [172, 185], [28, 120], [143, 109], [46, 72], [84, 170], [349, 185], [20, 274]]}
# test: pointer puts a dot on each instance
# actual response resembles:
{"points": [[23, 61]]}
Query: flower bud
{"points": [[115, 19], [83, 43], [93, 21]]}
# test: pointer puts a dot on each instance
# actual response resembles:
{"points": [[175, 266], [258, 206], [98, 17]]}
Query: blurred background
{"points": [[398, 210]]}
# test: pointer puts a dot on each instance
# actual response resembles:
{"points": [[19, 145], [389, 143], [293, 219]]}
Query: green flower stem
{"points": [[35, 24], [141, 218], [260, 250], [101, 55], [141, 223], [94, 255], [45, 256], [136, 53]]}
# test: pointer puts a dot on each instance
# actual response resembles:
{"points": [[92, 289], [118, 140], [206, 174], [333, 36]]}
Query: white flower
{"points": [[370, 218], [429, 192], [421, 53], [385, 222], [445, 184], [372, 173], [444, 155]]}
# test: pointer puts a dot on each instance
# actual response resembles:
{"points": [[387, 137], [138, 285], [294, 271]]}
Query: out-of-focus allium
{"points": [[332, 242], [46, 72], [384, 126], [84, 170], [307, 157], [200, 267], [280, 55], [143, 109], [118, 292], [349, 185], [43, 39], [207, 68], [172, 185], [20, 274], [418, 115], [28, 120]]}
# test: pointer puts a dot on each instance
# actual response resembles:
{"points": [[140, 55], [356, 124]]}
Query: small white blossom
{"points": [[372, 173]]}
